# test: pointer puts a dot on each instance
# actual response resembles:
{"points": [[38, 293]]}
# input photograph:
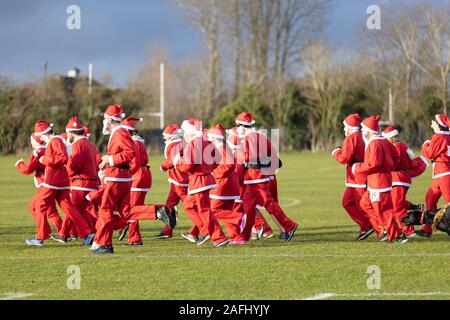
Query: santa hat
{"points": [[390, 132], [442, 120], [353, 121], [74, 125], [42, 127], [371, 124], [245, 119], [115, 112], [39, 142], [172, 131], [217, 131], [128, 123], [192, 126], [87, 132]]}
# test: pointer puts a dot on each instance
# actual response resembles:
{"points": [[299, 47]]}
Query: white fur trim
{"points": [[391, 134], [213, 196], [440, 175], [178, 183], [401, 184], [335, 150], [356, 186], [112, 179], [140, 189], [349, 126], [111, 161], [82, 189], [49, 128], [208, 187], [436, 117], [49, 186], [367, 128], [17, 162], [425, 161], [245, 123], [256, 181], [380, 190]]}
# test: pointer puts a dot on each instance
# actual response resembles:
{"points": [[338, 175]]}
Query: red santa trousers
{"points": [[198, 207], [137, 198], [52, 214], [223, 211], [401, 206], [45, 199], [381, 213], [176, 193], [116, 197], [79, 201], [439, 187], [260, 193], [350, 201]]}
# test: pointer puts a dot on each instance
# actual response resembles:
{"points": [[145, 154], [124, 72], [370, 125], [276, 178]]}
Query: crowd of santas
{"points": [[219, 176], [379, 172]]}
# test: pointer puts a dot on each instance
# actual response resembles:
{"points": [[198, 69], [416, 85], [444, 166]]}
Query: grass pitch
{"points": [[322, 261]]}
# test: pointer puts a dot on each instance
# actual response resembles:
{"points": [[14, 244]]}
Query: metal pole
{"points": [[161, 98], [90, 88], [391, 109]]}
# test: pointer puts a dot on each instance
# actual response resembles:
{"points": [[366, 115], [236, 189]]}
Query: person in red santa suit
{"points": [[260, 161], [82, 167], [142, 179], [34, 166], [401, 178], [227, 191], [351, 152], [117, 178], [261, 228], [380, 159], [55, 187], [437, 150], [198, 159], [179, 181]]}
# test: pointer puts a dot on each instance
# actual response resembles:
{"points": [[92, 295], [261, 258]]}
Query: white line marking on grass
{"points": [[323, 296], [15, 295], [293, 202], [262, 255]]}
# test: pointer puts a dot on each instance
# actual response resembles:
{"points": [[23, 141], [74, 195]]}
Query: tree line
{"points": [[269, 57]]}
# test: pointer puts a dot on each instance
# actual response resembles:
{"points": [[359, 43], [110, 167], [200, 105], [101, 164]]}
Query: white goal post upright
{"points": [[390, 110], [160, 114]]}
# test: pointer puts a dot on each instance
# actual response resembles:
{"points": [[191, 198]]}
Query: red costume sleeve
{"points": [[30, 168], [345, 154], [432, 149], [372, 160], [127, 151], [55, 154]]}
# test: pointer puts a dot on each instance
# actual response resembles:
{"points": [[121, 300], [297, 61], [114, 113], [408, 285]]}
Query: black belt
{"points": [[122, 167]]}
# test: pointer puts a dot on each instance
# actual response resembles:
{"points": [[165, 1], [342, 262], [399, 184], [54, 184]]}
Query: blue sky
{"points": [[117, 36]]}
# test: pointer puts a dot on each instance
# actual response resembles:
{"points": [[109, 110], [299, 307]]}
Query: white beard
{"points": [[45, 138], [105, 129]]}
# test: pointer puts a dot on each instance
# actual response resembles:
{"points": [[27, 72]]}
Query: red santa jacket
{"points": [[256, 147], [437, 150], [418, 166], [401, 176], [82, 166], [54, 160], [177, 177], [226, 177], [380, 159], [199, 167], [352, 152], [121, 151], [33, 166], [142, 177]]}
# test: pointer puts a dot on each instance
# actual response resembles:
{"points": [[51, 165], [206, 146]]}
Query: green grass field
{"points": [[323, 257]]}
